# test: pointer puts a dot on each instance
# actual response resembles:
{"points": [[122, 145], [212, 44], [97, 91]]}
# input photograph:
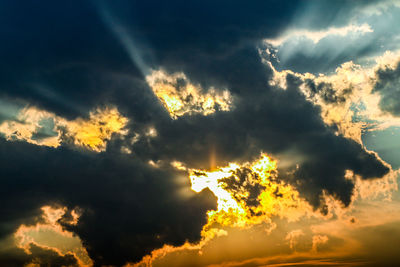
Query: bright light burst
{"points": [[247, 194]]}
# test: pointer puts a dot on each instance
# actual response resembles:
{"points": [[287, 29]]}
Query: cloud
{"points": [[343, 240], [292, 237], [387, 86], [316, 36], [43, 128], [281, 122], [318, 48], [353, 98], [319, 240], [39, 256], [179, 96], [33, 126], [94, 132], [248, 194], [106, 187], [134, 202], [50, 235]]}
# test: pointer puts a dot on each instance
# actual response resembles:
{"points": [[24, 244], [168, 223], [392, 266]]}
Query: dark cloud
{"points": [[59, 57], [67, 60], [129, 208], [302, 54], [62, 58], [16, 257], [272, 120], [326, 91], [388, 87], [56, 53], [244, 180]]}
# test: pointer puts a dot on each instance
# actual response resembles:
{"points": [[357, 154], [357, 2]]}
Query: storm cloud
{"points": [[388, 87], [127, 204], [68, 59]]}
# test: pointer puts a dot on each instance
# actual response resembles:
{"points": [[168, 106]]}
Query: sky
{"points": [[199, 133]]}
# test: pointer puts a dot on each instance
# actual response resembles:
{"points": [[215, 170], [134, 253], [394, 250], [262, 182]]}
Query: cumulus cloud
{"points": [[354, 98], [273, 120]]}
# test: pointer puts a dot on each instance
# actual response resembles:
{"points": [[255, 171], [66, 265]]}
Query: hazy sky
{"points": [[199, 133]]}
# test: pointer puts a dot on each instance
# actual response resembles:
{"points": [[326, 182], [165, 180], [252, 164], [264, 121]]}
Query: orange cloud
{"points": [[91, 133], [50, 235], [188, 98]]}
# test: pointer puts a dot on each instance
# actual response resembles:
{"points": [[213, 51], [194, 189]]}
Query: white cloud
{"points": [[316, 36]]}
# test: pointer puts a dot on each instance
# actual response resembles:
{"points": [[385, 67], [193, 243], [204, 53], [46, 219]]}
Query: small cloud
{"points": [[293, 237], [44, 128], [316, 36], [93, 133], [50, 235], [179, 96], [318, 240]]}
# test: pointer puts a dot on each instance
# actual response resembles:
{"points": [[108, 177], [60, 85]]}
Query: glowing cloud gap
{"points": [[179, 96], [49, 234], [95, 132], [248, 194], [44, 128]]}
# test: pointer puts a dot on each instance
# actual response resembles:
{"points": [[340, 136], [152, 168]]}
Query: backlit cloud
{"points": [[44, 128], [179, 96], [199, 133], [316, 36], [350, 98], [49, 234]]}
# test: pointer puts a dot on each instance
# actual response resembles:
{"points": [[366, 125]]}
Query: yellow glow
{"points": [[180, 99], [51, 235], [25, 126], [318, 240], [233, 206], [233, 202], [293, 236], [95, 132], [92, 133]]}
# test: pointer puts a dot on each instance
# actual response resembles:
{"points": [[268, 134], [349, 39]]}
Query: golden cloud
{"points": [[27, 123], [248, 194], [254, 208], [179, 96], [49, 234], [91, 133]]}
